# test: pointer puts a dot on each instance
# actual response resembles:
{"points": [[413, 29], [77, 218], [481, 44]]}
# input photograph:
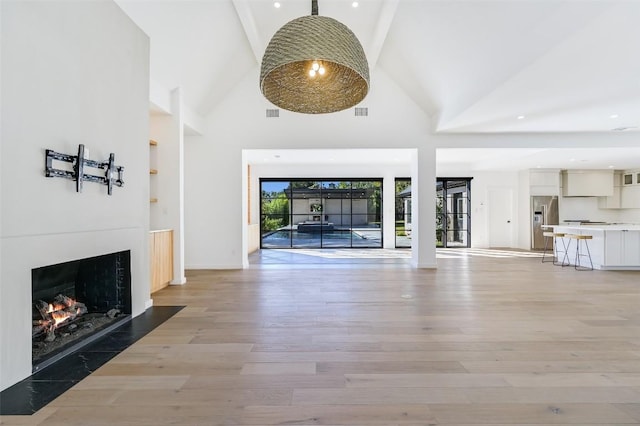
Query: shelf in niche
{"points": [[153, 143]]}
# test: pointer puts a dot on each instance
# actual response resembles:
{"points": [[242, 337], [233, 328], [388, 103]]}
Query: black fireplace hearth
{"points": [[73, 303], [33, 393]]}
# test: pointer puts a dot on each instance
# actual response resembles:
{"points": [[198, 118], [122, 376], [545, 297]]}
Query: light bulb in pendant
{"points": [[315, 66], [321, 71], [312, 73]]}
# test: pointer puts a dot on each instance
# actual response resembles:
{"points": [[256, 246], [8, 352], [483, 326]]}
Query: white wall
{"points": [[629, 216], [72, 73], [3, 384], [216, 181], [572, 208], [524, 210]]}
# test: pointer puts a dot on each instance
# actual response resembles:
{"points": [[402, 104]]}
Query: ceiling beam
{"points": [[385, 19], [249, 25]]}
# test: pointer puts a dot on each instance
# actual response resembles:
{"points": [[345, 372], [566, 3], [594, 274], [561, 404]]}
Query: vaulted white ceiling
{"points": [[472, 66]]}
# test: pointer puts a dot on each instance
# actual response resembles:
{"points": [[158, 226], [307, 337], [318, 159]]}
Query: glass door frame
{"points": [[444, 217], [402, 219]]}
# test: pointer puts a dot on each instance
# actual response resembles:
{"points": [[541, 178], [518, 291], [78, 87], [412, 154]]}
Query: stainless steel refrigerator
{"points": [[544, 211]]}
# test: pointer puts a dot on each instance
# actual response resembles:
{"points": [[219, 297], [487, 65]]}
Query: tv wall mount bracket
{"points": [[79, 169]]}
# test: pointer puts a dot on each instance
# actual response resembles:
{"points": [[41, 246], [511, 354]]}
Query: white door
{"points": [[500, 217]]}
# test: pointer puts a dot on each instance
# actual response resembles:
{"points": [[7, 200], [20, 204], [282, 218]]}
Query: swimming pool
{"points": [[285, 238]]}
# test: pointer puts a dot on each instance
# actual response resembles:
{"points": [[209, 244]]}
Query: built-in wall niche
{"points": [[75, 302]]}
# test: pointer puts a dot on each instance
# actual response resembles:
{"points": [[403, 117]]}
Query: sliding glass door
{"points": [[335, 213]]}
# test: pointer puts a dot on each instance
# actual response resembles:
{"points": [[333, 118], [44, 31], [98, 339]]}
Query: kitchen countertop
{"points": [[601, 227], [613, 246]]}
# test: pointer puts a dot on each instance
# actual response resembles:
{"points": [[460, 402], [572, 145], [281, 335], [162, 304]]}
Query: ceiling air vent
{"points": [[273, 113], [362, 112], [622, 129]]}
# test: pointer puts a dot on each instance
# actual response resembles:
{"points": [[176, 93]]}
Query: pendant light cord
{"points": [[314, 7]]}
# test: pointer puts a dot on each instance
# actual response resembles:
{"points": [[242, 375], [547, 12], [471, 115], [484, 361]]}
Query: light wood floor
{"points": [[480, 340]]}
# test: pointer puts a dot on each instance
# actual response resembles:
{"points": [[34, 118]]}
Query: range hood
{"points": [[587, 183]]}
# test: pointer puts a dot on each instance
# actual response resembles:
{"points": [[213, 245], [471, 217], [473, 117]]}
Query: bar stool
{"points": [[579, 239], [564, 251], [547, 236]]}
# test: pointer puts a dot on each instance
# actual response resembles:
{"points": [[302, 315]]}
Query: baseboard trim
{"points": [[197, 267], [426, 266]]}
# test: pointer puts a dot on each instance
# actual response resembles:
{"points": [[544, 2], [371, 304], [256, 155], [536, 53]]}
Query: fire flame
{"points": [[56, 307], [59, 317], [58, 314]]}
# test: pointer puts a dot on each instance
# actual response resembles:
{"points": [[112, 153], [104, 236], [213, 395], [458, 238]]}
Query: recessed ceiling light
{"points": [[614, 116], [611, 167], [572, 159], [276, 4], [538, 167], [354, 4], [521, 117]]}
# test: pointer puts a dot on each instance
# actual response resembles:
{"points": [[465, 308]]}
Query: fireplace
{"points": [[76, 302]]}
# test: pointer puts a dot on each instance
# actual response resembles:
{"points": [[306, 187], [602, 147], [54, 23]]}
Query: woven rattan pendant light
{"points": [[314, 65]]}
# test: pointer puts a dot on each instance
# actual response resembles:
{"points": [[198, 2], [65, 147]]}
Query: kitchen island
{"points": [[613, 247]]}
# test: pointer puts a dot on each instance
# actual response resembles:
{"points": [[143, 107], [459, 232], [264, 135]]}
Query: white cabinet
{"points": [[613, 248], [612, 202], [630, 197], [587, 183], [544, 182], [626, 192], [622, 248], [630, 177], [544, 178]]}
